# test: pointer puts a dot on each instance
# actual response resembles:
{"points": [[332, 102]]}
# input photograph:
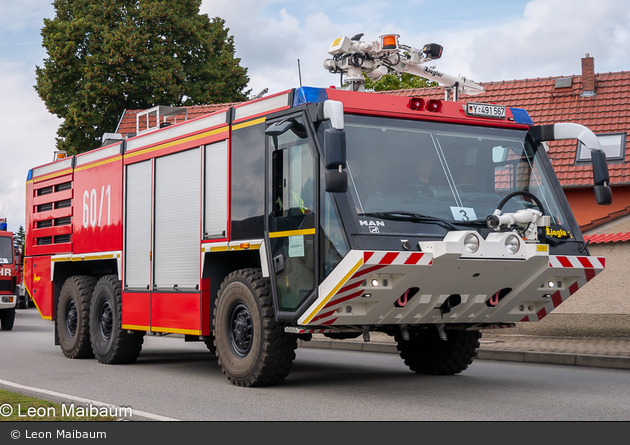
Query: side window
{"points": [[334, 242], [293, 218]]}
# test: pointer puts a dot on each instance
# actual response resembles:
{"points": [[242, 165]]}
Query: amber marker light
{"points": [[389, 41]]}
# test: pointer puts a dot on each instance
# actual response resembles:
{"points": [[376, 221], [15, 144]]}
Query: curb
{"points": [[549, 358]]}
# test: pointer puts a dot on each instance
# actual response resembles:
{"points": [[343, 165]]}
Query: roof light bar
{"points": [[309, 95]]}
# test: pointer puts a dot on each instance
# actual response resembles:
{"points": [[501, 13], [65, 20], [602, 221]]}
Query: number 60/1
{"points": [[93, 207]]}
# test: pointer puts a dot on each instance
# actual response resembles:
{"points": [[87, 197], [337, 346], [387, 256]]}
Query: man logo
{"points": [[372, 223]]}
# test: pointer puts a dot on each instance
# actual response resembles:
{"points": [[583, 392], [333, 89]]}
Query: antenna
{"points": [[299, 73]]}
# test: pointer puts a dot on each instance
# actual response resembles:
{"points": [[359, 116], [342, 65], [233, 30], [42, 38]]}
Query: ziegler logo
{"points": [[433, 72], [557, 233], [5, 272]]}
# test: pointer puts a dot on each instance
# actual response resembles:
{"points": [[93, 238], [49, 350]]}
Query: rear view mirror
{"points": [[601, 178], [335, 163]]}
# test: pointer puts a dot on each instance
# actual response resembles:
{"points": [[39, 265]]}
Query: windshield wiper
{"points": [[419, 217]]}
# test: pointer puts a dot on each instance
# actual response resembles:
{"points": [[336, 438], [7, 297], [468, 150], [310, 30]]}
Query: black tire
{"points": [[252, 349], [73, 316], [22, 302], [7, 318], [111, 343], [209, 342], [426, 353]]}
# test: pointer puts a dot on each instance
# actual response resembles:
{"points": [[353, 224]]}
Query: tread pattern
{"points": [[126, 345], [426, 353], [7, 319], [276, 356], [84, 286]]}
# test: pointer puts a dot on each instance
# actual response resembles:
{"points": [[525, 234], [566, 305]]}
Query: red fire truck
{"points": [[330, 211], [9, 275]]}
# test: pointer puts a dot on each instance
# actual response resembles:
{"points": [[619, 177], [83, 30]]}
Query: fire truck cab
{"points": [[308, 211], [8, 281]]}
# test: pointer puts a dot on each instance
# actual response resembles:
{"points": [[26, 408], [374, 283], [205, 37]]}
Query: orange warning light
{"points": [[389, 41]]}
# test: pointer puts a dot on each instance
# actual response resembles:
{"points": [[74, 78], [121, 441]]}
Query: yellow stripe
{"points": [[135, 328], [249, 123], [177, 142], [176, 331], [92, 257], [53, 175], [66, 258], [291, 233], [334, 291], [218, 249], [96, 164]]}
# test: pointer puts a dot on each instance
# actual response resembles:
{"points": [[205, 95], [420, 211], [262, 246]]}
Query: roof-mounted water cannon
{"points": [[352, 58]]}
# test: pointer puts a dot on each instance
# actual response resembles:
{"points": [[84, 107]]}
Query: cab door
{"points": [[292, 209]]}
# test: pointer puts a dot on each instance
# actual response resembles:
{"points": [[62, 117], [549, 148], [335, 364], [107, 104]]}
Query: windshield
{"points": [[452, 172], [6, 250]]}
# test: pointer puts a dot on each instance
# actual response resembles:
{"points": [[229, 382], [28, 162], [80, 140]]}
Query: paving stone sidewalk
{"points": [[597, 351]]}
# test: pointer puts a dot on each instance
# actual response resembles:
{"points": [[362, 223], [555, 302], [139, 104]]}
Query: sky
{"points": [[484, 40]]}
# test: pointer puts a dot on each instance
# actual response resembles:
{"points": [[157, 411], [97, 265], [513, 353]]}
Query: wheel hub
{"points": [[72, 318], [241, 328], [106, 320]]}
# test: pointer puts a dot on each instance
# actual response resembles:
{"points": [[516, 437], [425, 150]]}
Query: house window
{"points": [[613, 144]]}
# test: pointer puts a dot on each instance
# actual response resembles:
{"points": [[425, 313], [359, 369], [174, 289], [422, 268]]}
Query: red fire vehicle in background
{"points": [[10, 276], [313, 210]]}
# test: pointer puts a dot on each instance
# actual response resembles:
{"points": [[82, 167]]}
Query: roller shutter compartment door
{"points": [[138, 226], [216, 190], [177, 221]]}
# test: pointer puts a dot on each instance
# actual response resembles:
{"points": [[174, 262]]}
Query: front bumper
{"points": [[490, 286], [8, 301]]}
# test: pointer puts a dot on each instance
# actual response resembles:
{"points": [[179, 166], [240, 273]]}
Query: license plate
{"points": [[485, 110]]}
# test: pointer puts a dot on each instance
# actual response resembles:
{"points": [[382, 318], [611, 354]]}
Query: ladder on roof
{"points": [[155, 117]]}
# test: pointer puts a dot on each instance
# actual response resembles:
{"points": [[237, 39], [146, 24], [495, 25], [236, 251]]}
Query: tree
{"points": [[397, 81], [18, 237], [107, 56]]}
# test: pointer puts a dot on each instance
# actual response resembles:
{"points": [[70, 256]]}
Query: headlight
{"points": [[471, 242], [512, 244]]}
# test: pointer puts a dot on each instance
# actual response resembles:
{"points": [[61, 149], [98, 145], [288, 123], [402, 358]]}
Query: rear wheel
{"points": [[252, 349], [7, 318], [111, 343], [426, 353], [73, 316]]}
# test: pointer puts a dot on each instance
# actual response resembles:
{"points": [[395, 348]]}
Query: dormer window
{"points": [[613, 144]]}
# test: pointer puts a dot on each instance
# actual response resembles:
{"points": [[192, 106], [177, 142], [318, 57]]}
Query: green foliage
{"points": [[397, 81], [18, 237], [106, 56]]}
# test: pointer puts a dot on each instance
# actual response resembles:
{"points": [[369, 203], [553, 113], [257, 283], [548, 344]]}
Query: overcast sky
{"points": [[484, 40]]}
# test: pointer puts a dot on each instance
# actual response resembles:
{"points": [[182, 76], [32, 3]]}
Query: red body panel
{"points": [[176, 312], [98, 203], [136, 310], [398, 106], [38, 284]]}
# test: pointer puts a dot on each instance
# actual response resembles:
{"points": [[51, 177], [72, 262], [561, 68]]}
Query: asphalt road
{"points": [[183, 381]]}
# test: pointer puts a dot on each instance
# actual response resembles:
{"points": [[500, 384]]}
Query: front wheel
{"points": [[426, 353], [7, 318], [252, 349], [111, 343]]}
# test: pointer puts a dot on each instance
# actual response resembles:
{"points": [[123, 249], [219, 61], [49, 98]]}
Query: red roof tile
{"points": [[606, 112], [612, 238]]}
